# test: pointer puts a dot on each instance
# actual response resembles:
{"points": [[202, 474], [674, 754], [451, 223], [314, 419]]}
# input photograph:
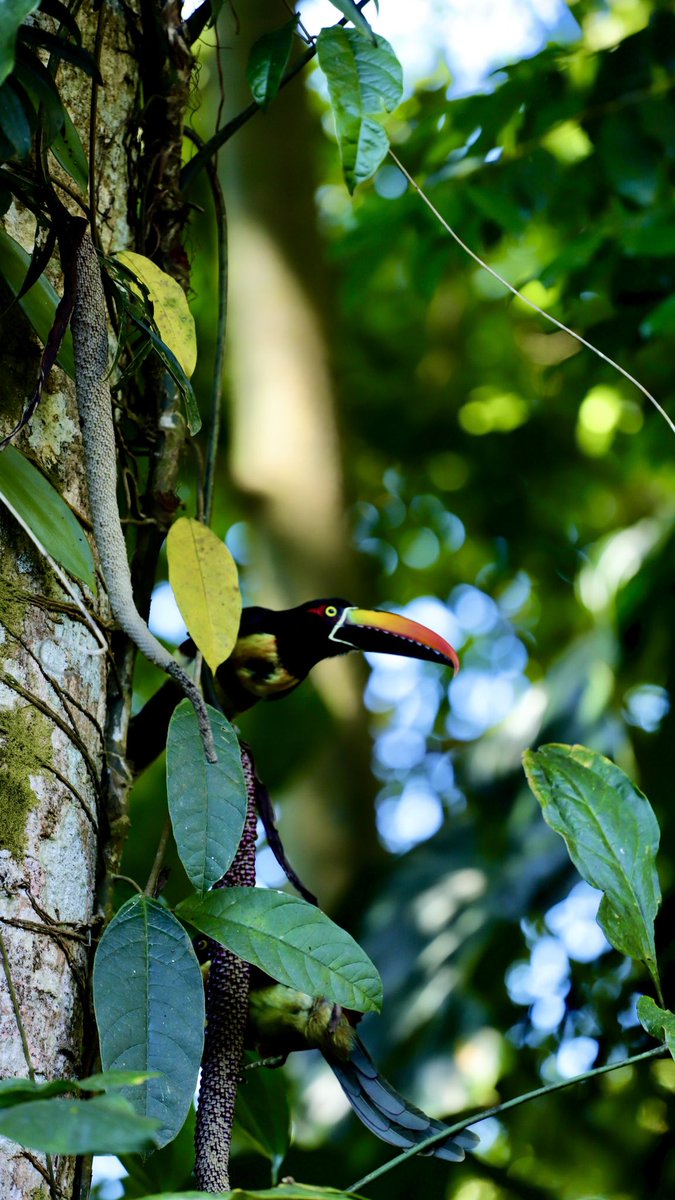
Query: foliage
{"points": [[491, 466]]}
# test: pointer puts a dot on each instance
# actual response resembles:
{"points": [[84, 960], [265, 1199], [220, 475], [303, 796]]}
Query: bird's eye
{"points": [[331, 610]]}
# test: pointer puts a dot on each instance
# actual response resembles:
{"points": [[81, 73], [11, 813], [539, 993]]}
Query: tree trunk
{"points": [[53, 707]]}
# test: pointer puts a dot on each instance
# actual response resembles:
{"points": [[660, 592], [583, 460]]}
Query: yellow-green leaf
{"points": [[172, 315], [203, 575]]}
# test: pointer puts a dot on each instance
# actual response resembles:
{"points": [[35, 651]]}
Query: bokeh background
{"points": [[400, 431]]}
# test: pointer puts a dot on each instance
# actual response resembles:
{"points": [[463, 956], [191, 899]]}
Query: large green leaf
{"points": [[268, 61], [149, 1004], [12, 13], [102, 1125], [363, 78], [207, 801], [40, 303], [612, 837], [263, 1115], [353, 13], [291, 940], [36, 502]]}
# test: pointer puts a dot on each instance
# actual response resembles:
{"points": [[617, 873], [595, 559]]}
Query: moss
{"points": [[25, 741]]}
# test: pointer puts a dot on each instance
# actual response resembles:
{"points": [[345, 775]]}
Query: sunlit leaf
{"points": [[102, 1125], [12, 13], [172, 316], [207, 801], [26, 491], [612, 837], [290, 940], [362, 80], [203, 575], [149, 1004], [268, 61]]}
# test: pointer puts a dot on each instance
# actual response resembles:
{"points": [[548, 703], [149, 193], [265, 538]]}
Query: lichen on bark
{"points": [[28, 733]]}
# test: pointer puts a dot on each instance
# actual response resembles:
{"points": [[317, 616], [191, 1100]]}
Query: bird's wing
{"points": [[387, 1114]]}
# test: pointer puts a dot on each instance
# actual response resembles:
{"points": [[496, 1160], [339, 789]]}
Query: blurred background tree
{"points": [[400, 431]]}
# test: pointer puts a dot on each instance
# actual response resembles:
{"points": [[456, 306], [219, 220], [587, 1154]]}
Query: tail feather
{"points": [[387, 1114]]}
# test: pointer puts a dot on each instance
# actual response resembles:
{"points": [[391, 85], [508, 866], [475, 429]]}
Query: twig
{"points": [[500, 1108]]}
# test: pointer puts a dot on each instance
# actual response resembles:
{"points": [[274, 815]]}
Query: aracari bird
{"points": [[275, 651], [282, 1020]]}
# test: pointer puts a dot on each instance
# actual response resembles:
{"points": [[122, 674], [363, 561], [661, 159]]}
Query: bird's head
{"points": [[324, 628]]}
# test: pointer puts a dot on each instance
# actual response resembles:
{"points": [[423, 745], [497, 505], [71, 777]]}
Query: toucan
{"points": [[275, 651], [282, 1020]]}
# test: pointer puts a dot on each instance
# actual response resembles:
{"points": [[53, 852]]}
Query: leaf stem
{"points": [[500, 1108]]}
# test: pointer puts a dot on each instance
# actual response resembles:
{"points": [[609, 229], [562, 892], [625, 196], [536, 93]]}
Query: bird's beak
{"points": [[390, 633]]}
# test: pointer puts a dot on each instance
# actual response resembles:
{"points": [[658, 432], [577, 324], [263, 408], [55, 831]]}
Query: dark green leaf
{"points": [[612, 837], [268, 61], [658, 1022], [362, 79], [59, 47], [69, 153], [262, 1113], [207, 801], [38, 83], [289, 939], [61, 13], [12, 13], [149, 1003], [40, 303], [15, 120], [103, 1125], [40, 506]]}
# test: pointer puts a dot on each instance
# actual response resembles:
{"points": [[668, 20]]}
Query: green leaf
{"points": [[171, 314], [12, 13], [19, 1091], [40, 303], [149, 1004], [192, 414], [207, 801], [290, 940], [268, 61], [362, 79], [38, 83], [14, 120], [69, 153], [353, 13], [28, 494], [262, 1113], [659, 1022], [612, 837], [204, 578], [103, 1125]]}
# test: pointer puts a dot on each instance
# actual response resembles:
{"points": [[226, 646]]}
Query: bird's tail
{"points": [[387, 1114]]}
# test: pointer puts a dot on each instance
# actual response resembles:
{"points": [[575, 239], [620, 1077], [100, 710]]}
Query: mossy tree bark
{"points": [[54, 820]]}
